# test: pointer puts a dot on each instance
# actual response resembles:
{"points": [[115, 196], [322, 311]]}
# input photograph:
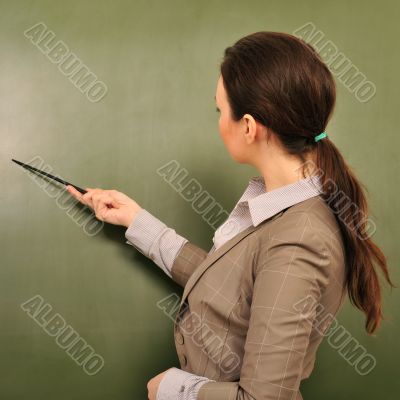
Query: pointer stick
{"points": [[83, 191]]}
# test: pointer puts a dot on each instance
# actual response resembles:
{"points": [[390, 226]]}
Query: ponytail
{"points": [[346, 197]]}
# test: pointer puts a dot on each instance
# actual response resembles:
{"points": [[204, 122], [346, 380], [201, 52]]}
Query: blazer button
{"points": [[179, 338]]}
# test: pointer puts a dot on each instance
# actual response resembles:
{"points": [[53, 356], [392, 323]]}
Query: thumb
{"points": [[109, 214]]}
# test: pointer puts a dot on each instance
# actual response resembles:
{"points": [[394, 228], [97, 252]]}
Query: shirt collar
{"points": [[263, 205]]}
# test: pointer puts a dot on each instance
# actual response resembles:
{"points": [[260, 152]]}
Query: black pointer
{"points": [[83, 191]]}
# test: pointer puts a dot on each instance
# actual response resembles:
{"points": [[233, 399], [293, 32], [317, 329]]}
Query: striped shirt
{"points": [[155, 240]]}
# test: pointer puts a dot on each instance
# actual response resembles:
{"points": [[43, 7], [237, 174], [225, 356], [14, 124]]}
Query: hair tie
{"points": [[320, 136]]}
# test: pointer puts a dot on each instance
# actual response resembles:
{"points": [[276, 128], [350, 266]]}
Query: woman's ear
{"points": [[268, 134], [250, 128]]}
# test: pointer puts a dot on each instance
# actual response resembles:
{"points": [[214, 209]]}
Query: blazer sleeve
{"points": [[164, 246], [285, 272], [187, 260]]}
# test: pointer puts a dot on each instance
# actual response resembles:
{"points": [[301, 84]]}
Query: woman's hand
{"points": [[153, 384], [109, 205]]}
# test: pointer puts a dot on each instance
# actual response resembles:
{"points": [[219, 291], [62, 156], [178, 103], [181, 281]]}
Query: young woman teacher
{"points": [[256, 306]]}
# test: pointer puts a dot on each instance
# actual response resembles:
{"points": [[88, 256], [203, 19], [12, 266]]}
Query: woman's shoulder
{"points": [[313, 215], [311, 222], [307, 232]]}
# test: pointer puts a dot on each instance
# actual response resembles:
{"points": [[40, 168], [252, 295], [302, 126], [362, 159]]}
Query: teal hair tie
{"points": [[320, 136]]}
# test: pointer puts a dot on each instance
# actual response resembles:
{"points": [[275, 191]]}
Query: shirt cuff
{"points": [[143, 230], [154, 239], [180, 385]]}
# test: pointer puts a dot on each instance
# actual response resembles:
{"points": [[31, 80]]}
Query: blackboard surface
{"points": [[145, 98]]}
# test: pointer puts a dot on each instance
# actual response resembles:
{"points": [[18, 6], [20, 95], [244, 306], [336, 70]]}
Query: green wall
{"points": [[159, 63]]}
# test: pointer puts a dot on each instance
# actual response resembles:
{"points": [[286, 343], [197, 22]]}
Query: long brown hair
{"points": [[284, 84]]}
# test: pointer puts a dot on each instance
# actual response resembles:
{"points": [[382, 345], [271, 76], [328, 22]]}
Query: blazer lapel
{"points": [[218, 253]]}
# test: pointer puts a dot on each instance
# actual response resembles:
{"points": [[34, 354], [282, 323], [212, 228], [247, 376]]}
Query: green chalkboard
{"points": [[142, 97]]}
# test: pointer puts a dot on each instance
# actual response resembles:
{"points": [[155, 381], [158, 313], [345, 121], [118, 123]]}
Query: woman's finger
{"points": [[75, 193], [105, 210], [101, 200], [88, 197]]}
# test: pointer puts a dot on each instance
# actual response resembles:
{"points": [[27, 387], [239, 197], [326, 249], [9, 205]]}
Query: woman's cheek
{"points": [[223, 133], [223, 128]]}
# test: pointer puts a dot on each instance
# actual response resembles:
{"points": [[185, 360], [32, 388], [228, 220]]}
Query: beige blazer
{"points": [[254, 312]]}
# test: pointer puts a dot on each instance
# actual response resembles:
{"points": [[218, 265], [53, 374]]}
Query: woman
{"points": [[256, 307]]}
